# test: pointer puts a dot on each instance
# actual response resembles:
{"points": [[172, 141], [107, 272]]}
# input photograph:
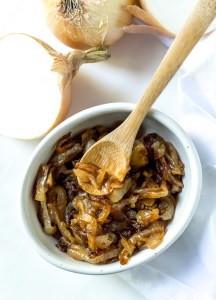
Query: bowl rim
{"points": [[91, 112]]}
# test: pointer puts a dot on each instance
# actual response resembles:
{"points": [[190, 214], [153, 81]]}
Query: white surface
{"points": [[34, 87], [23, 274]]}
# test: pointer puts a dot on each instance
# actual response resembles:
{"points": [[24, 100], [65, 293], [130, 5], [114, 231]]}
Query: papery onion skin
{"points": [[161, 17], [93, 23]]}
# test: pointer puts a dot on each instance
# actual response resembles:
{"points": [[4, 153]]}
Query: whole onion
{"points": [[83, 24]]}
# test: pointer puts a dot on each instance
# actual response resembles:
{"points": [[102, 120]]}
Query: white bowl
{"points": [[108, 114]]}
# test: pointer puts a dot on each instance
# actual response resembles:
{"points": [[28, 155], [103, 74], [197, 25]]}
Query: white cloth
{"points": [[188, 268]]}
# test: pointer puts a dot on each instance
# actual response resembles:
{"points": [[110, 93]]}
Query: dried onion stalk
{"points": [[36, 84], [83, 24]]}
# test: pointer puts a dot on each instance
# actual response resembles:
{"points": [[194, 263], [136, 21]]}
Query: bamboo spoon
{"points": [[112, 153]]}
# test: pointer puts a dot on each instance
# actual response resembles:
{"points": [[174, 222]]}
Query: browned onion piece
{"points": [[104, 241], [87, 135], [118, 193], [155, 227], [99, 178], [89, 173], [126, 252], [87, 205], [175, 163], [146, 217], [91, 231], [58, 196], [154, 240], [81, 253], [167, 207], [48, 227], [159, 149], [41, 183], [141, 237], [139, 156], [124, 202], [177, 184], [154, 192], [85, 176], [61, 225], [64, 143], [88, 145], [61, 158], [104, 210]]}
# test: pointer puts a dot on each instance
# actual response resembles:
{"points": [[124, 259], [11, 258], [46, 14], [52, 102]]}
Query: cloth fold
{"points": [[188, 268]]}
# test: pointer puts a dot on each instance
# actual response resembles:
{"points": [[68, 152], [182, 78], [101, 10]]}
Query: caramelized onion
{"points": [[48, 227], [167, 208], [154, 192], [104, 241], [132, 217], [146, 217], [58, 196], [155, 230], [61, 158], [80, 253], [41, 183]]}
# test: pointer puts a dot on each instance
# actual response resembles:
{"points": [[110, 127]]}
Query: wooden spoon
{"points": [[112, 153]]}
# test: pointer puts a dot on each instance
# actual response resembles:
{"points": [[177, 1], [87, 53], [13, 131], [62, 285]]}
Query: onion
{"points": [[118, 194], [36, 84], [61, 158], [104, 241], [58, 196], [48, 227], [163, 17], [41, 186], [155, 232], [154, 191], [61, 225], [87, 23], [146, 216], [80, 253], [167, 207]]}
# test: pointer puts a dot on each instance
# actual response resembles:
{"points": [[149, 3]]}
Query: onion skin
{"points": [[100, 24], [150, 26], [161, 17], [152, 21], [65, 103]]}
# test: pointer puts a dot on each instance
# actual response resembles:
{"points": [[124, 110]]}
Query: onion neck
{"points": [[68, 65]]}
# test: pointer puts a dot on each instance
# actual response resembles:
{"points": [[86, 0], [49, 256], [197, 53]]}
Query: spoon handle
{"points": [[195, 26]]}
